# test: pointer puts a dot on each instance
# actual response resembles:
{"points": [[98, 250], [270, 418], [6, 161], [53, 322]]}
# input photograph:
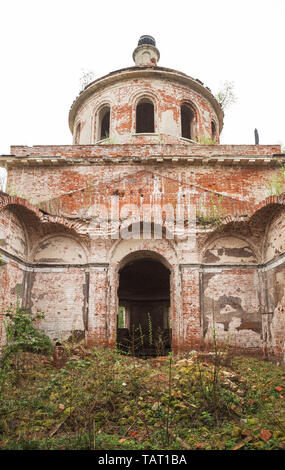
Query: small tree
{"points": [[276, 184], [85, 78], [226, 96]]}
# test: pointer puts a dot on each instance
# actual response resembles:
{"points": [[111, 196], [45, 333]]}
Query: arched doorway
{"points": [[144, 325]]}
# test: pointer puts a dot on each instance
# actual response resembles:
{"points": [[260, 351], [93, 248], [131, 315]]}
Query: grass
{"points": [[276, 184], [102, 399], [212, 213]]}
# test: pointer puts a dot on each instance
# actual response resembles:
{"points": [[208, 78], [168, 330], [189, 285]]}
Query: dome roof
{"points": [[146, 39]]}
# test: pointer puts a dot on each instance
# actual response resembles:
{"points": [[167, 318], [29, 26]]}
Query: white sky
{"points": [[46, 44]]}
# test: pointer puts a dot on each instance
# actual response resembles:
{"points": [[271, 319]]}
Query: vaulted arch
{"points": [[13, 233], [144, 304], [229, 249], [274, 242], [59, 249]]}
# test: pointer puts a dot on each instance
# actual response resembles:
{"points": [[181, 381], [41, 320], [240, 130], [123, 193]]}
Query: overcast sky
{"points": [[45, 46]]}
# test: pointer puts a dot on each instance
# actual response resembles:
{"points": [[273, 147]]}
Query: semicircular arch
{"points": [[60, 249]]}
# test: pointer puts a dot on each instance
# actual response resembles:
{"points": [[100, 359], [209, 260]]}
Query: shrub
{"points": [[22, 334]]}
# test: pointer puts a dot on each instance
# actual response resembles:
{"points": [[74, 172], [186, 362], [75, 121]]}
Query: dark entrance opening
{"points": [[143, 327]]}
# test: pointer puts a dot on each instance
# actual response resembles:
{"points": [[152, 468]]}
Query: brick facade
{"points": [[65, 217]]}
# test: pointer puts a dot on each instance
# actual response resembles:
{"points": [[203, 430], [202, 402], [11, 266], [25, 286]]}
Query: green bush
{"points": [[22, 335]]}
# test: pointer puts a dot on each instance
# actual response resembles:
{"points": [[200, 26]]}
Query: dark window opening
{"points": [[145, 117], [187, 118], [143, 326], [105, 124], [213, 130]]}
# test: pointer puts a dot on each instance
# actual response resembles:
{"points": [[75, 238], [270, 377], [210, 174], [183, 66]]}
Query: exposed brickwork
{"points": [[142, 149], [231, 304], [231, 277], [190, 334], [60, 296], [100, 325]]}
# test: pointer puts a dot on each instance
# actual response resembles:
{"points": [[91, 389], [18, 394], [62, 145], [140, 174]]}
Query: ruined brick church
{"points": [[77, 245]]}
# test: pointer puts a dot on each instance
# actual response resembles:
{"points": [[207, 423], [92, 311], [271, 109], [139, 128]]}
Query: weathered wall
{"points": [[101, 324], [59, 249], [226, 279], [79, 183], [230, 275], [11, 278], [228, 250], [230, 299], [76, 190], [122, 97], [190, 331], [274, 287], [230, 296], [275, 239], [12, 234], [60, 295], [274, 317]]}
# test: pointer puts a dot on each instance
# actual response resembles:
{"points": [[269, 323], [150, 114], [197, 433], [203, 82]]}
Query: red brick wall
{"points": [[190, 331], [244, 296], [101, 326], [231, 305], [60, 296]]}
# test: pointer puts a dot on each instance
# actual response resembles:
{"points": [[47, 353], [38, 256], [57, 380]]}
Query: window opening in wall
{"points": [[187, 119], [213, 130], [145, 117], [77, 134], [104, 124]]}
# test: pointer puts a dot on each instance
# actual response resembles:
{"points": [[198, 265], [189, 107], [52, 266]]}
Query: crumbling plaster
{"points": [[228, 277]]}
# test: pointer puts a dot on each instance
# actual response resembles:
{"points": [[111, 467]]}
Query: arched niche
{"points": [[163, 248], [13, 233], [275, 238], [229, 250], [160, 256], [59, 249]]}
